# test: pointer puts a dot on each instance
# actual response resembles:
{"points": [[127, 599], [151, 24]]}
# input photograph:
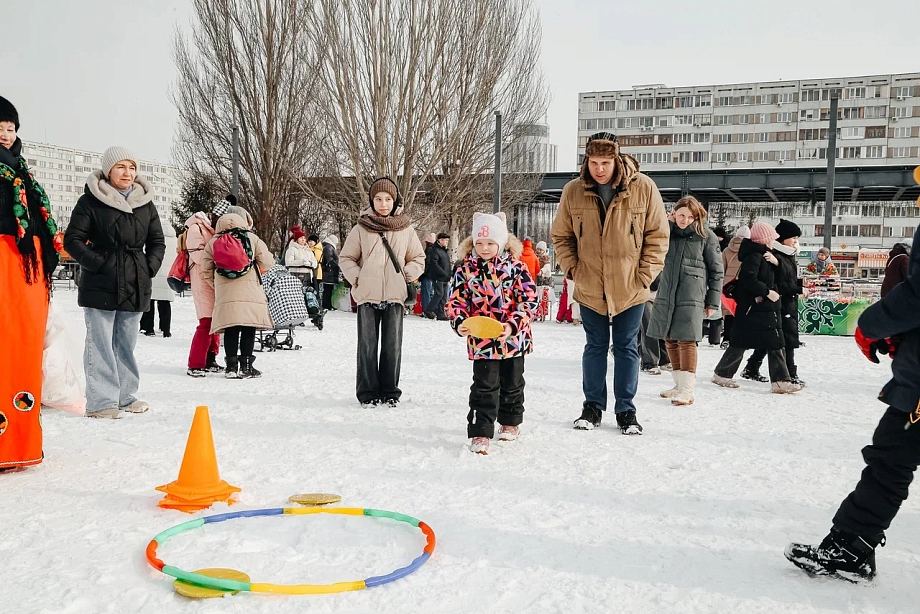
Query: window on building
{"points": [[875, 151], [607, 105], [761, 156], [683, 120], [723, 138], [876, 112], [744, 137], [875, 132], [744, 156], [626, 122], [900, 152], [724, 120], [701, 156], [785, 98], [664, 103], [704, 119], [683, 139], [851, 152], [810, 96], [662, 157], [784, 117], [725, 101], [870, 230], [724, 157], [853, 132], [871, 211], [747, 100], [855, 92], [784, 155], [646, 122], [807, 115], [827, 93], [664, 121], [764, 118], [744, 119], [902, 92], [901, 112], [901, 132], [765, 99], [808, 153], [702, 137], [788, 135]]}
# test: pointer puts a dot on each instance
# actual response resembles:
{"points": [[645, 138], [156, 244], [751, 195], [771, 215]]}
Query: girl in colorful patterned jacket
{"points": [[492, 281]]}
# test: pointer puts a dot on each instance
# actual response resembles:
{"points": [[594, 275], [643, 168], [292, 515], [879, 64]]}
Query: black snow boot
{"points": [[841, 555], [628, 424], [233, 368], [794, 376], [211, 366], [590, 418], [247, 371]]}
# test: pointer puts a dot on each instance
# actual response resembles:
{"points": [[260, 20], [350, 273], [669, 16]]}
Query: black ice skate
{"points": [[841, 555], [590, 418], [628, 424]]}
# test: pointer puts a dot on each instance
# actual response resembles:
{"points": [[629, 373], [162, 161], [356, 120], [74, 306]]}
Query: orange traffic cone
{"points": [[199, 484]]}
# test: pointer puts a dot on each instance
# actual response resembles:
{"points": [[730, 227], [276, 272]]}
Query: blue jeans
{"points": [[112, 376], [623, 330], [427, 289]]}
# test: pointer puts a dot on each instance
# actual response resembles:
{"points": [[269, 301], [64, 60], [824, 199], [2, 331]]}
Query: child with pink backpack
{"points": [[237, 256]]}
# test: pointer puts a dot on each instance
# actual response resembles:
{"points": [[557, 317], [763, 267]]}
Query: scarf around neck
{"points": [[375, 223], [789, 251]]}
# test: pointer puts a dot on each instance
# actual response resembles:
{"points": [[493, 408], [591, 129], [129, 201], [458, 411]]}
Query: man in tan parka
{"points": [[611, 236]]}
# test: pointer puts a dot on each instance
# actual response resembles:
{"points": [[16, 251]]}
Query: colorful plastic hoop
{"points": [[289, 589]]}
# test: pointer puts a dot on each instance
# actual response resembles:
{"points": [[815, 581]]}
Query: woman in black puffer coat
{"points": [[758, 317], [116, 237]]}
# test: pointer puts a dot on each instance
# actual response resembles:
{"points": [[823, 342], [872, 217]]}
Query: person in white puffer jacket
{"points": [[299, 257]]}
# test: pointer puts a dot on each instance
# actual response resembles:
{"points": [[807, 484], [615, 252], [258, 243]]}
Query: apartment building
{"points": [[760, 125], [62, 172]]}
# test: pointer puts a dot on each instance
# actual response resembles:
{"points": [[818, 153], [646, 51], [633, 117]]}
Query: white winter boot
{"points": [[670, 393], [786, 387], [686, 384]]}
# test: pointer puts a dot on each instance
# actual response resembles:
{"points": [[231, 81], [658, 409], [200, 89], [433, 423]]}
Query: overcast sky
{"points": [[98, 70]]}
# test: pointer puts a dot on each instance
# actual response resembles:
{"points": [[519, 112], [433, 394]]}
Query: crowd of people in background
{"points": [[648, 287]]}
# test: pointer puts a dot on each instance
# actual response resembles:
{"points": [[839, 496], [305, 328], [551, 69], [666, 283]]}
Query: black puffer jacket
{"points": [[437, 264], [898, 315], [757, 324], [119, 245], [330, 264], [789, 286]]}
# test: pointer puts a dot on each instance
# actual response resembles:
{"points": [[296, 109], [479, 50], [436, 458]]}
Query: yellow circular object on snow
{"points": [[203, 592], [315, 498], [482, 327], [917, 174]]}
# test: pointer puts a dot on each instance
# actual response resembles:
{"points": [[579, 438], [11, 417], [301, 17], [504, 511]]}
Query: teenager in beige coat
{"points": [[240, 306], [380, 291]]}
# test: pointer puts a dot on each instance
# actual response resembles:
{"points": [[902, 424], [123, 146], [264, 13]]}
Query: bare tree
{"points": [[249, 63], [411, 88]]}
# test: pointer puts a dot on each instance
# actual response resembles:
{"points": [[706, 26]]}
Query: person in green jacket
{"points": [[690, 289]]}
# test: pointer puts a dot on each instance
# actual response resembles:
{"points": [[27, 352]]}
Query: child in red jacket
{"points": [[491, 281]]}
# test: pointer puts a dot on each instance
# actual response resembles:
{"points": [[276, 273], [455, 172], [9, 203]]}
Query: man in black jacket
{"points": [[437, 269], [890, 326], [116, 237]]}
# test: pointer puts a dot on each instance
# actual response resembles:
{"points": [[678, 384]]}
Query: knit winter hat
{"points": [[385, 184], [743, 232], [431, 238], [298, 233], [220, 208], [541, 245], [115, 154], [313, 238], [8, 112], [763, 233], [787, 229], [493, 227]]}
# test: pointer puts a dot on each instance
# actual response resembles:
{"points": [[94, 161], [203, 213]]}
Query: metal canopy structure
{"points": [[855, 183]]}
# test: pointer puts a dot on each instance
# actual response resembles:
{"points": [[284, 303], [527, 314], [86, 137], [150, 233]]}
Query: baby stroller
{"points": [[287, 309]]}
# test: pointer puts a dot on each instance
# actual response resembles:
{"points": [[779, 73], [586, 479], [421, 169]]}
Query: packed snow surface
{"points": [[693, 516]]}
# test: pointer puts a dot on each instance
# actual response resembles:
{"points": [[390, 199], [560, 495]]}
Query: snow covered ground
{"points": [[691, 517]]}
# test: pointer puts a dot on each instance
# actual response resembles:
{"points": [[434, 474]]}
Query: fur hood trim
{"points": [[629, 173], [106, 193], [514, 247]]}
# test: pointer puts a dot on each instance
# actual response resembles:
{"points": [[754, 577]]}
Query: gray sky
{"points": [[99, 69]]}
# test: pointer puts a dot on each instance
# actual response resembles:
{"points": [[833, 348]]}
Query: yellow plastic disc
{"points": [[204, 592], [315, 498], [917, 174], [482, 327]]}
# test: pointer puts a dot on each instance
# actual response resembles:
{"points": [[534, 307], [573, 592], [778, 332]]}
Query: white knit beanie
{"points": [[493, 227], [115, 154]]}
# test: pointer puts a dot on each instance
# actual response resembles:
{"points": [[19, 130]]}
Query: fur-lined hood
{"points": [[105, 192], [514, 247]]}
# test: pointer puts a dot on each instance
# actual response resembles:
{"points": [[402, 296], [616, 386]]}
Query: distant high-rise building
{"points": [[759, 125], [531, 152], [62, 172]]}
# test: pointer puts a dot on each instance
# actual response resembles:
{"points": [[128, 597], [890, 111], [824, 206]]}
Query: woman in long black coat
{"points": [[758, 319]]}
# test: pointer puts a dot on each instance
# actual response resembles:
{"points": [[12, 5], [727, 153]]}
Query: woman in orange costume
{"points": [[28, 257]]}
